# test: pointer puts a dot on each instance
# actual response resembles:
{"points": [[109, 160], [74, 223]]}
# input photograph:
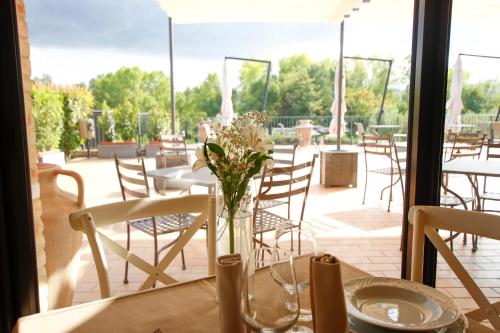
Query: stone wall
{"points": [[33, 154]]}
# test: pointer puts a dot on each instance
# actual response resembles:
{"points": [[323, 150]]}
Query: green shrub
{"points": [[158, 123], [106, 123], [77, 104], [125, 117], [48, 114]]}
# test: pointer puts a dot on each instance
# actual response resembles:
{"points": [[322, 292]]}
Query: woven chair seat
{"points": [[389, 171], [452, 201], [265, 204], [164, 224], [491, 196], [266, 221]]}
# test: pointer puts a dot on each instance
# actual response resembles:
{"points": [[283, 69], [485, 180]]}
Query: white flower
{"points": [[200, 159], [254, 139]]}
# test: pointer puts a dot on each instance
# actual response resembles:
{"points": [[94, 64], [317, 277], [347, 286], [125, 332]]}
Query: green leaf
{"points": [[216, 149]]}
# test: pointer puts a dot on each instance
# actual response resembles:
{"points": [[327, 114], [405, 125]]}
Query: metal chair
{"points": [[467, 145], [173, 152], [492, 151], [89, 221], [134, 184], [426, 220], [286, 159], [277, 184], [382, 145]]}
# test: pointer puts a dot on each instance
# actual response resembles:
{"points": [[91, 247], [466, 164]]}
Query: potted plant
{"points": [[120, 130]]}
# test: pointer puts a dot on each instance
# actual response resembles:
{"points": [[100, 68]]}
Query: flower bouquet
{"points": [[236, 154]]}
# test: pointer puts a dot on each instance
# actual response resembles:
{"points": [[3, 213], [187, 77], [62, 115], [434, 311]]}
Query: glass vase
{"points": [[234, 229]]}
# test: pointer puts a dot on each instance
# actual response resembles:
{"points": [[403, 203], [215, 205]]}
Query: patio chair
{"points": [[173, 152], [277, 184], [467, 145], [360, 130], [492, 151], [426, 220], [91, 220], [286, 159], [134, 184], [382, 145]]}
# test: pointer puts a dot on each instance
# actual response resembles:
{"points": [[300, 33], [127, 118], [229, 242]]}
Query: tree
{"points": [[130, 91], [48, 114], [296, 86]]}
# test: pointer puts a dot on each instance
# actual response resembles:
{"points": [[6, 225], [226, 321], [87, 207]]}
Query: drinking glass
{"points": [[300, 243], [262, 308]]}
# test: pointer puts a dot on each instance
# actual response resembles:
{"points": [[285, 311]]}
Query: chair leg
{"points": [[125, 278], [182, 255], [155, 237], [366, 185], [451, 241]]}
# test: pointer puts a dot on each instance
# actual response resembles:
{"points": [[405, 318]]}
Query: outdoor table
{"points": [[472, 168], [185, 176], [183, 307]]}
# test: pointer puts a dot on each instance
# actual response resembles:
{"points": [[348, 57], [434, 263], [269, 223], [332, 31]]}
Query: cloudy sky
{"points": [[73, 41]]}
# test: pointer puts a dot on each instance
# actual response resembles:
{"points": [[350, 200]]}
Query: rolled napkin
{"points": [[228, 274], [327, 295]]}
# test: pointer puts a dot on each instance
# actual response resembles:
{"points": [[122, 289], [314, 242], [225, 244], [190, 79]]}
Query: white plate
{"points": [[399, 304]]}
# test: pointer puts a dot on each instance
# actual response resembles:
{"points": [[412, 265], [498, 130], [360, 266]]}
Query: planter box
{"points": [[52, 157], [339, 168], [152, 149], [121, 149]]}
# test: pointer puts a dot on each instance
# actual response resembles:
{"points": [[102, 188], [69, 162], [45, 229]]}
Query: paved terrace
{"points": [[365, 236]]}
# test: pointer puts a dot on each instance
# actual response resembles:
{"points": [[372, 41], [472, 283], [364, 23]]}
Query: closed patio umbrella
{"points": [[335, 105], [226, 108], [454, 105]]}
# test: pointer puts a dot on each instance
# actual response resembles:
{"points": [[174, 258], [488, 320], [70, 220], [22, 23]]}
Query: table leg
{"points": [[477, 204]]}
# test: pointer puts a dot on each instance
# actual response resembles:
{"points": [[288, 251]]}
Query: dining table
{"points": [[472, 168], [182, 307], [184, 176]]}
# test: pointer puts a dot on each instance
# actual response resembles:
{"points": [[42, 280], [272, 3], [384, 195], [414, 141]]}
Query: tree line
{"points": [[299, 87]]}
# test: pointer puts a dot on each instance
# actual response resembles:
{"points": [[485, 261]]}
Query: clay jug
{"points": [[62, 243]]}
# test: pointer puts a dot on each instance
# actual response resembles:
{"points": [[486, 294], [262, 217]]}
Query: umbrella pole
{"points": [[171, 53], [339, 84]]}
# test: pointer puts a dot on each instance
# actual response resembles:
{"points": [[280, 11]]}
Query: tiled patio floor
{"points": [[365, 236]]}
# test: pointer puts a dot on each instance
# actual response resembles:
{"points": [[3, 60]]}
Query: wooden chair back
{"points": [[286, 155], [467, 145], [426, 220], [89, 221], [378, 145], [493, 149], [173, 150], [360, 130], [286, 182], [495, 128], [132, 178]]}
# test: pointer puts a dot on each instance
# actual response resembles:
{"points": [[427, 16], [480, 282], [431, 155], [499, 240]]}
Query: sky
{"points": [[74, 41]]}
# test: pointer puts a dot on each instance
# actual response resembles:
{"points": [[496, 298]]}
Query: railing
{"points": [[291, 121]]}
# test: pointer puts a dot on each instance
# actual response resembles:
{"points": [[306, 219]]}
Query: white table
{"points": [[473, 168], [185, 176]]}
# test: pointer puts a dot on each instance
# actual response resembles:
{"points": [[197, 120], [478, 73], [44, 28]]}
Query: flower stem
{"points": [[230, 221]]}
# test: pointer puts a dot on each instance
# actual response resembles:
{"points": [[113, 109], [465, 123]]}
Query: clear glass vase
{"points": [[234, 229]]}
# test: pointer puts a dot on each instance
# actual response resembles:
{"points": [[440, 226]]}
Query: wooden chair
{"points": [[286, 159], [382, 145], [277, 184], [134, 184], [493, 151], [467, 145], [425, 221], [173, 150], [90, 220]]}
